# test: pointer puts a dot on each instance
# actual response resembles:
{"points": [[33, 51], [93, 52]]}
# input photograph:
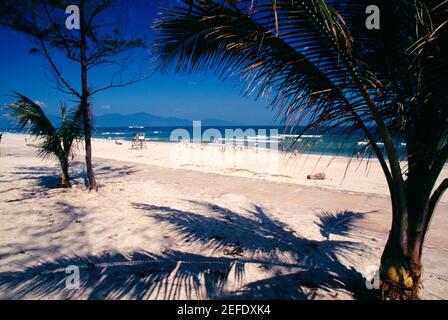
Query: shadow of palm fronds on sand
{"points": [[339, 223], [245, 256]]}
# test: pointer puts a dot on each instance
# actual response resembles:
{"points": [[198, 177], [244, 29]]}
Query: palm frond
{"points": [[319, 65], [307, 69], [297, 68], [30, 116], [53, 141], [32, 120]]}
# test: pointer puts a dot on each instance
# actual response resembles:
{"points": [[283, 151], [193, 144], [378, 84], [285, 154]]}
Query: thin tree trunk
{"points": [[65, 177], [85, 107], [89, 166], [88, 145]]}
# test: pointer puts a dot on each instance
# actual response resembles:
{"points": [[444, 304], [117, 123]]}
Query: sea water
{"points": [[322, 141]]}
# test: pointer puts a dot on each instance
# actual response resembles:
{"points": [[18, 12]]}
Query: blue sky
{"points": [[189, 96]]}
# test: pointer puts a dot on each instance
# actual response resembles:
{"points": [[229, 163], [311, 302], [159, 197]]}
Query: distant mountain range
{"points": [[149, 120], [134, 119]]}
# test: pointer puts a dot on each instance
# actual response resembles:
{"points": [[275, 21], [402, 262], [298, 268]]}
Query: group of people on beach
{"points": [[223, 147]]}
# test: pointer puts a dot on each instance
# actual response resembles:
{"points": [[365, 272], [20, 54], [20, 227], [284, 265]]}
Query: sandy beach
{"points": [[178, 221]]}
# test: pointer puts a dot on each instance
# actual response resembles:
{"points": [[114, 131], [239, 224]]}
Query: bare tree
{"points": [[95, 43]]}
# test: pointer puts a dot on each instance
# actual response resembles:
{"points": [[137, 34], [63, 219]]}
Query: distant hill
{"points": [[149, 120], [134, 119]]}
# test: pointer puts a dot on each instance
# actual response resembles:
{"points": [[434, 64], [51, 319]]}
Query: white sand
{"points": [[343, 173], [198, 224]]}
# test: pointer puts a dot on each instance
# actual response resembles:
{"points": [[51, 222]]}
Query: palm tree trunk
{"points": [[65, 177], [400, 269], [85, 107], [401, 262]]}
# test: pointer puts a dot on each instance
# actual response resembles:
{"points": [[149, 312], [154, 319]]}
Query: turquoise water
{"points": [[262, 137], [282, 138]]}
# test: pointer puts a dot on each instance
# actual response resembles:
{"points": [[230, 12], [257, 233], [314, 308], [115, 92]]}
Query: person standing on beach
{"points": [[296, 153]]}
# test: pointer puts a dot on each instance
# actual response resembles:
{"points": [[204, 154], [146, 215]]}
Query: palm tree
{"points": [[322, 68], [58, 142]]}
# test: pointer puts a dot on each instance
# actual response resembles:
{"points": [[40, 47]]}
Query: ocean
{"points": [[322, 142], [283, 138]]}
